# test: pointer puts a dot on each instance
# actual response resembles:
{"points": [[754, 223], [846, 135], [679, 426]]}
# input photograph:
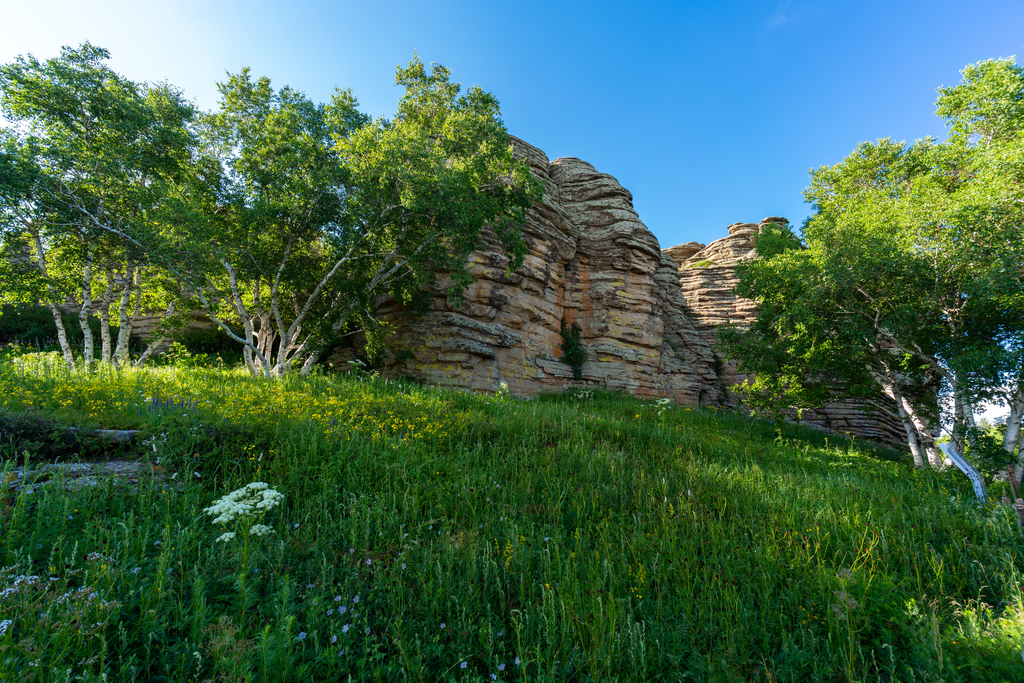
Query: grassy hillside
{"points": [[432, 535]]}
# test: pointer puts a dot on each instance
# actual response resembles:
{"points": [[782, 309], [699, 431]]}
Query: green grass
{"points": [[486, 538]]}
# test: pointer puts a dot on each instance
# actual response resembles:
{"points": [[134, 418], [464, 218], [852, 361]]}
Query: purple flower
{"points": [[302, 635]]}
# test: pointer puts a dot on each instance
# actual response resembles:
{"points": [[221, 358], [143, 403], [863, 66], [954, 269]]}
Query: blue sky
{"points": [[710, 113]]}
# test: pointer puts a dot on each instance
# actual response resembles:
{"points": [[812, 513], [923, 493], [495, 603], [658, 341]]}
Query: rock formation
{"points": [[648, 316], [707, 276]]}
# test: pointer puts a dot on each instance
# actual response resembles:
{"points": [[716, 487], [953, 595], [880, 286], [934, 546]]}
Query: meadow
{"points": [[430, 535]]}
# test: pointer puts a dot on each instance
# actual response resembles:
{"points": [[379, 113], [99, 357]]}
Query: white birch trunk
{"points": [[124, 321], [108, 297], [88, 343], [310, 362], [963, 420], [1011, 440], [908, 426], [58, 320], [62, 335]]}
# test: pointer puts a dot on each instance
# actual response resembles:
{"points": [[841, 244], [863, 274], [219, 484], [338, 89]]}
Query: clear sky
{"points": [[709, 112]]}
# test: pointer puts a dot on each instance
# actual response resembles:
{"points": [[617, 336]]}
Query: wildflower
{"points": [[4, 625], [367, 562], [334, 639], [462, 666], [403, 565], [355, 599], [302, 635], [501, 667], [367, 631], [344, 629], [342, 609], [517, 661], [443, 624], [295, 526], [337, 598], [198, 476], [224, 538], [330, 612], [252, 498], [501, 633]]}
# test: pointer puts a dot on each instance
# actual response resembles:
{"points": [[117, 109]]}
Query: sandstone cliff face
{"points": [[648, 316], [590, 260]]}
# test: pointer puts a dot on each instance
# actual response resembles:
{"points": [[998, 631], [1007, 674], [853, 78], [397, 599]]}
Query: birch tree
{"points": [[89, 155], [320, 210], [912, 272]]}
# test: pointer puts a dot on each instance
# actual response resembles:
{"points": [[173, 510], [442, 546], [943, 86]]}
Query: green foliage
{"points": [[702, 543], [989, 102], [983, 446], [776, 238], [87, 161], [911, 279], [325, 210], [574, 353], [210, 342]]}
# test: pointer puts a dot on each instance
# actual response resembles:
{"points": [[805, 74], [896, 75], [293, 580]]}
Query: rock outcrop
{"points": [[707, 277], [648, 316]]}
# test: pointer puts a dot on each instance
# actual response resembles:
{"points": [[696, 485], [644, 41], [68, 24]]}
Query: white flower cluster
{"points": [[252, 499], [4, 625]]}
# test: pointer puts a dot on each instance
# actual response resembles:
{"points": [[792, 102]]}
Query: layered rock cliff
{"points": [[648, 316], [707, 276]]}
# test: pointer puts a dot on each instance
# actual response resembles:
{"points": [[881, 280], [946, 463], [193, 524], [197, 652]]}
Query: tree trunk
{"points": [[88, 345], [155, 344], [62, 335], [908, 426], [108, 297], [58, 320], [924, 435], [963, 421], [310, 362], [124, 321], [1011, 440]]}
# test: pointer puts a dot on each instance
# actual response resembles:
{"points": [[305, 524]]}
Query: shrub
{"points": [[574, 353]]}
